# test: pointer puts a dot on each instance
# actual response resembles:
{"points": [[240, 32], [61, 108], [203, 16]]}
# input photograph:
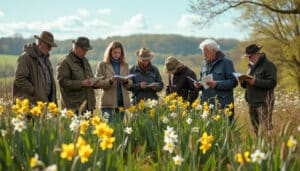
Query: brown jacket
{"points": [[109, 94], [30, 81], [70, 74]]}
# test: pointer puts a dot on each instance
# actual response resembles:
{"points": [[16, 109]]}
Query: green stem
{"points": [[74, 163]]}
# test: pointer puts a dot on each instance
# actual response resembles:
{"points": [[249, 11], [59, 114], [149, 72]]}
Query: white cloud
{"points": [[158, 27], [1, 13], [83, 12], [104, 11], [186, 21], [136, 23]]}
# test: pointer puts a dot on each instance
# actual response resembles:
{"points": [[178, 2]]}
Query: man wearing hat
{"points": [[147, 81], [34, 74], [73, 74], [260, 89], [179, 81]]}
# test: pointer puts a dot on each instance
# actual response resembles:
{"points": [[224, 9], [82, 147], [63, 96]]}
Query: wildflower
{"points": [[70, 113], [107, 142], [230, 106], [195, 129], [95, 120], [84, 153], [151, 103], [34, 161], [84, 126], [164, 119], [217, 117], [257, 156], [121, 109], [52, 107], [51, 168], [178, 160], [170, 135], [41, 104], [205, 142], [228, 111], [189, 120], [103, 130], [75, 124], [63, 113], [152, 112], [128, 130], [240, 158], [184, 113], [205, 114], [68, 151], [1, 109], [36, 111], [173, 115], [169, 146], [172, 107], [211, 106], [87, 114], [195, 103], [19, 126], [132, 109], [80, 142], [141, 105], [292, 142]]}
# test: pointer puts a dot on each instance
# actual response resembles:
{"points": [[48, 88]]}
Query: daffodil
{"points": [[132, 109], [292, 142], [84, 126], [95, 120], [178, 160], [41, 104], [85, 152], [169, 146], [80, 142], [52, 107], [36, 111], [107, 142], [1, 109], [152, 112], [206, 141], [128, 130], [258, 156], [68, 151], [217, 117]]}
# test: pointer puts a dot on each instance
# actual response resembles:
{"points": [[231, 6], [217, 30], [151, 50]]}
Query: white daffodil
{"points": [[51, 168], [258, 156], [169, 147], [173, 115], [3, 133], [151, 103], [49, 115], [87, 114], [64, 113], [170, 135], [189, 120], [199, 107], [204, 114], [19, 126], [211, 106], [75, 124], [195, 129], [178, 160], [128, 130], [165, 120]]}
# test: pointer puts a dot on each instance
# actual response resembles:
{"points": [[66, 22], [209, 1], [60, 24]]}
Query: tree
{"points": [[274, 23]]}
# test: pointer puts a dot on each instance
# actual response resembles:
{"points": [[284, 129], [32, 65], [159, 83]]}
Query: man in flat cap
{"points": [[260, 88], [34, 75], [73, 74]]}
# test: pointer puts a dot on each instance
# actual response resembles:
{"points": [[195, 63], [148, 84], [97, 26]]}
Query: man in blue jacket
{"points": [[219, 90], [260, 89]]}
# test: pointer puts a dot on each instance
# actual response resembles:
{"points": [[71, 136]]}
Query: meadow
{"points": [[168, 134]]}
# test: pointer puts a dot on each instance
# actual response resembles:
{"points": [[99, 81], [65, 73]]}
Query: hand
{"points": [[197, 84], [143, 85], [153, 86], [211, 84], [86, 83]]}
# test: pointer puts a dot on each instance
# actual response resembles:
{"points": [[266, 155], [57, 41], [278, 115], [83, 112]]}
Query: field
{"points": [[156, 135]]}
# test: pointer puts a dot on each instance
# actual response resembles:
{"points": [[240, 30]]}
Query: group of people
{"points": [[35, 81]]}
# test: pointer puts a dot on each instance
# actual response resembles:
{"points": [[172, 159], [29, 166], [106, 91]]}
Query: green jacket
{"points": [[70, 74], [30, 80]]}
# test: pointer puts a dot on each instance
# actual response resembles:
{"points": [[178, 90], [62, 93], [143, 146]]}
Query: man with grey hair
{"points": [[219, 90]]}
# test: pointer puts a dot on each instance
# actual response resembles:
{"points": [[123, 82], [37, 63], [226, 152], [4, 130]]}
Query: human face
{"points": [[209, 55], [44, 47], [116, 53], [145, 62], [253, 58], [80, 52]]}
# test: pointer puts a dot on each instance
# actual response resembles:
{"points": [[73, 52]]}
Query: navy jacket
{"points": [[221, 69]]}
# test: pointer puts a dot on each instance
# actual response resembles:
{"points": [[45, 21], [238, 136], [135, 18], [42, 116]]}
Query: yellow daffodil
{"points": [[239, 158], [68, 151], [52, 107], [292, 142], [141, 105], [84, 126], [95, 120], [80, 142], [107, 142], [217, 117], [85, 152], [172, 107], [70, 113], [206, 141], [121, 109], [152, 112], [36, 111], [132, 109], [41, 104]]}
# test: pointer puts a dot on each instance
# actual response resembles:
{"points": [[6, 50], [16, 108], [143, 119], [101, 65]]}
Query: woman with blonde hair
{"points": [[115, 88]]}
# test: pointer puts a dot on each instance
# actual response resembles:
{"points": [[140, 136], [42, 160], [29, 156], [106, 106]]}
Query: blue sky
{"points": [[103, 18]]}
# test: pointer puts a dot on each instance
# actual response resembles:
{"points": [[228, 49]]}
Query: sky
{"points": [[68, 19]]}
